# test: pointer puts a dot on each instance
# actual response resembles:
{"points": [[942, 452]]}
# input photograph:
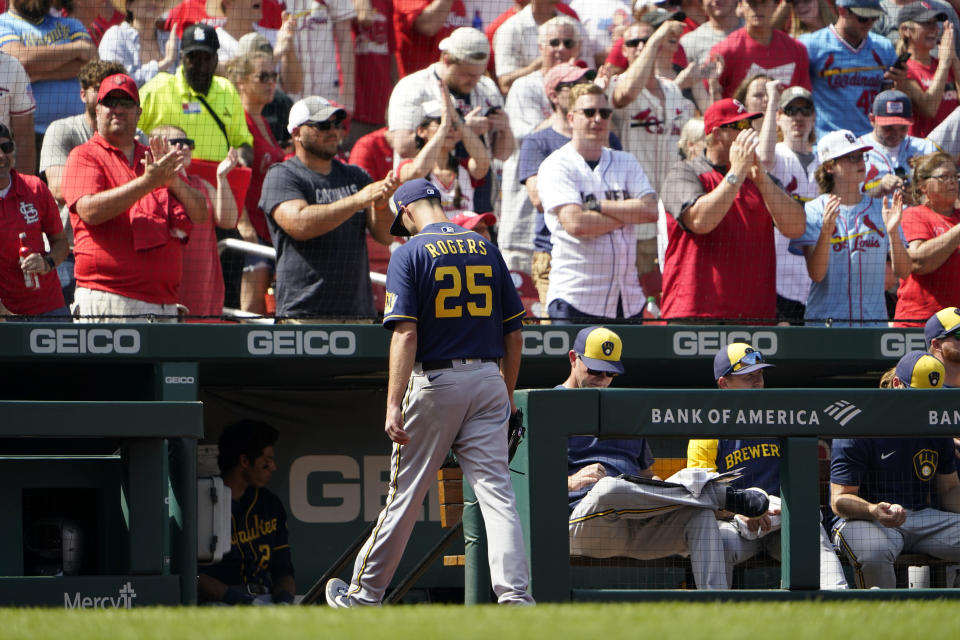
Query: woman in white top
{"points": [[437, 137], [786, 151], [138, 44]]}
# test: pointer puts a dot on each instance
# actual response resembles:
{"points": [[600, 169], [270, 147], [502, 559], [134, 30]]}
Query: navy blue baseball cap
{"points": [[943, 323], [737, 359], [863, 8], [409, 192], [920, 370], [600, 349]]}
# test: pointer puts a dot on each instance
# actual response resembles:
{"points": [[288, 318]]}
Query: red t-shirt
{"points": [[373, 154], [416, 51], [784, 59], [201, 289], [190, 12], [923, 74], [729, 272], [101, 24], [373, 47], [105, 254], [921, 296], [27, 208], [266, 152]]}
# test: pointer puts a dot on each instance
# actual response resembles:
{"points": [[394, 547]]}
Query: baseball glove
{"points": [[515, 431]]}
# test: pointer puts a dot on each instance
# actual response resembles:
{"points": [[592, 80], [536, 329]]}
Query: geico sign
{"points": [[179, 380], [96, 341], [299, 343], [704, 343], [550, 343], [894, 345], [343, 490]]}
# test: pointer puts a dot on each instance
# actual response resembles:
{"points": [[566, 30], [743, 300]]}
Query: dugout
{"points": [[323, 386]]}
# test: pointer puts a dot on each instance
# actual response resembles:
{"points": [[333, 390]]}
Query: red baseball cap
{"points": [[118, 82], [469, 219], [724, 112]]}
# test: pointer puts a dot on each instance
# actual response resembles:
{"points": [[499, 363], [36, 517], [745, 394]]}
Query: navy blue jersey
{"points": [[259, 550], [629, 456], [895, 470], [759, 460], [454, 284]]}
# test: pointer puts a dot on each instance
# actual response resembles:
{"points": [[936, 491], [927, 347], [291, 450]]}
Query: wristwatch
{"points": [[593, 204], [49, 260], [732, 178]]}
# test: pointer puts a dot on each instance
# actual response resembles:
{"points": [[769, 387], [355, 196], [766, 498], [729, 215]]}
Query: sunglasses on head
{"points": [[187, 143], [326, 125], [568, 43], [267, 76], [8, 146], [798, 111], [635, 42], [739, 125], [590, 112], [749, 359]]}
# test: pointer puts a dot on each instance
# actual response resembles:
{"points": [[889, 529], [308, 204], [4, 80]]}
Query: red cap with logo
{"points": [[118, 82], [724, 112]]}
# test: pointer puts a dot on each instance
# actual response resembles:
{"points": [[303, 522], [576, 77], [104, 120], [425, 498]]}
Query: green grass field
{"points": [[658, 621]]}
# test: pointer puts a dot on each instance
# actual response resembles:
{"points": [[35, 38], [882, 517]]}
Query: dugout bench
{"points": [[798, 417]]}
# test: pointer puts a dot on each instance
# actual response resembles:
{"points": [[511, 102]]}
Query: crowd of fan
{"points": [[801, 154]]}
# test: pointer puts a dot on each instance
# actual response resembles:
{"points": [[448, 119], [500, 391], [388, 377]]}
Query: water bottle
{"points": [[652, 310], [30, 280], [477, 20]]}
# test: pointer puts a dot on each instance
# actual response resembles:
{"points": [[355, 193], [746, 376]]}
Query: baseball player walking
{"points": [[454, 314]]}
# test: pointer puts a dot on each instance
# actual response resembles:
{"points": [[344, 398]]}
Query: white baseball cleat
{"points": [[337, 594]]}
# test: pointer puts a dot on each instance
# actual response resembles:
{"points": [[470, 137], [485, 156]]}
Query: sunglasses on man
{"points": [[590, 112], [568, 43], [749, 359]]}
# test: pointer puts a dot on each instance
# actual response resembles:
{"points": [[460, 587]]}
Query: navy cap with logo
{"points": [[737, 359], [892, 107], [600, 349], [920, 370], [408, 193], [942, 324]]}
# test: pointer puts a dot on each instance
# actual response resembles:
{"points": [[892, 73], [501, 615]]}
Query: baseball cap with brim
{"points": [[313, 109], [837, 144], [737, 359], [863, 8], [920, 370], [942, 324], [566, 72], [795, 93], [658, 16], [469, 219], [892, 107], [921, 12], [199, 37], [600, 349], [409, 192], [724, 112], [253, 42], [118, 83], [466, 44]]}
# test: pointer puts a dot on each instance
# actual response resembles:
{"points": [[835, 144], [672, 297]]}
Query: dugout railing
{"points": [[796, 416]]}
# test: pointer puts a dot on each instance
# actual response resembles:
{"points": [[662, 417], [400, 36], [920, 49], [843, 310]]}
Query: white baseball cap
{"points": [[466, 44], [837, 144], [312, 109]]}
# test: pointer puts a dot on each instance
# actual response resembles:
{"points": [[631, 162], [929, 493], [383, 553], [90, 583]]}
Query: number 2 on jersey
{"points": [[451, 276]]}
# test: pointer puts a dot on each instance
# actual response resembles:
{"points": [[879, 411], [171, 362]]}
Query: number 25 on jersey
{"points": [[449, 302]]}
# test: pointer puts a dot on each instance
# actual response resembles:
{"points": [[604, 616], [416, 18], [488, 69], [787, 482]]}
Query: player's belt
{"points": [[433, 365]]}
